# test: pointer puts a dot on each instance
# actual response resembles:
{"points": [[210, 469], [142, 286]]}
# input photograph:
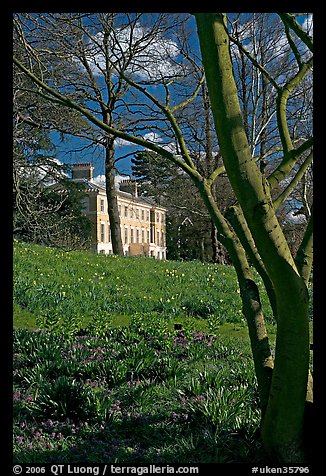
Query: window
{"points": [[147, 215], [102, 205], [119, 208], [143, 214], [137, 213], [148, 236], [143, 235], [137, 235], [162, 238], [131, 235], [109, 232], [102, 233], [126, 235], [131, 213], [85, 204], [158, 238], [126, 211], [162, 218], [158, 217]]}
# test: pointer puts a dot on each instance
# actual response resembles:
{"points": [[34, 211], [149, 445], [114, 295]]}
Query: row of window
{"points": [[137, 213], [158, 254], [135, 235]]}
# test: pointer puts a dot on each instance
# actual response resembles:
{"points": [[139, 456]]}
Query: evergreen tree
{"points": [[155, 175], [188, 223]]}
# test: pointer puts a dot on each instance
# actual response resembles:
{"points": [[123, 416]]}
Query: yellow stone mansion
{"points": [[143, 224]]}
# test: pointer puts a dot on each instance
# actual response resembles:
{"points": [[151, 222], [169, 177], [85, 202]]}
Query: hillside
{"points": [[71, 290]]}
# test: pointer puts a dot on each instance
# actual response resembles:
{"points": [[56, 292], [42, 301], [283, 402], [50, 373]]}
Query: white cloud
{"points": [[51, 173], [55, 161], [121, 142], [275, 50], [99, 180], [157, 139], [171, 147], [152, 58], [119, 178], [293, 217], [308, 25], [150, 136], [153, 137]]}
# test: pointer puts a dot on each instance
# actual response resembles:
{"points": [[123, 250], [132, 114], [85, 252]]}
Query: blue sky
{"points": [[72, 150]]}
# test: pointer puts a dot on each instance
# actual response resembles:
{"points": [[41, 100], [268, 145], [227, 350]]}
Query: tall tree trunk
{"points": [[264, 112], [215, 250], [107, 111], [210, 165], [218, 252], [202, 249], [111, 194], [282, 425]]}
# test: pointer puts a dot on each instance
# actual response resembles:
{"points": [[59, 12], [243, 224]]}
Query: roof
{"points": [[92, 187]]}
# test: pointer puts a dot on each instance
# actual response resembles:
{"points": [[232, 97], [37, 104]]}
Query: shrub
{"points": [[64, 398]]}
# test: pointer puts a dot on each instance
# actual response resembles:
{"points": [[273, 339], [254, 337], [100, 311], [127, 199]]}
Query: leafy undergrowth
{"points": [[132, 396]]}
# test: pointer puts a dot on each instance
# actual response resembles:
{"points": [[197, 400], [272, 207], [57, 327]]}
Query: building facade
{"points": [[143, 223]]}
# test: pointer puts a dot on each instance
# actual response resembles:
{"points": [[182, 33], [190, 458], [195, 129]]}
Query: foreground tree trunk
{"points": [[282, 425]]}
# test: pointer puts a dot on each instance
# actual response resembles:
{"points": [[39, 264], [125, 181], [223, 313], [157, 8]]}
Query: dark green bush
{"points": [[64, 398]]}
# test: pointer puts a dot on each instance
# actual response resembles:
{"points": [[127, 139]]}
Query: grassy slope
{"points": [[78, 288]]}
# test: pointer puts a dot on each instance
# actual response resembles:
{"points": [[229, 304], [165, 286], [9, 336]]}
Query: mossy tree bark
{"points": [[282, 426], [235, 215]]}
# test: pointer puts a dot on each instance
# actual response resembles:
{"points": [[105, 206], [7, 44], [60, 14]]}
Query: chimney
{"points": [[83, 170], [130, 186]]}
